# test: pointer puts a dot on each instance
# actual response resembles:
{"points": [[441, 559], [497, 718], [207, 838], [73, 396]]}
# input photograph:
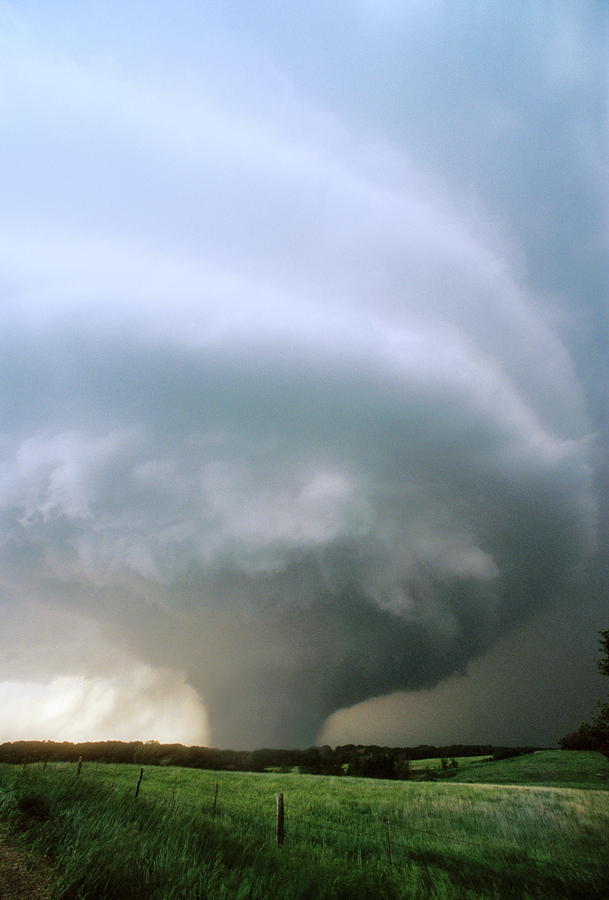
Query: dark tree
{"points": [[594, 735], [603, 662]]}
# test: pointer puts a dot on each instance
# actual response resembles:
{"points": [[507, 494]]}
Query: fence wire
{"points": [[381, 839]]}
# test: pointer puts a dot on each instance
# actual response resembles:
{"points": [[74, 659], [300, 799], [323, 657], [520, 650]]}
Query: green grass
{"points": [[416, 765], [449, 840], [435, 762], [552, 768]]}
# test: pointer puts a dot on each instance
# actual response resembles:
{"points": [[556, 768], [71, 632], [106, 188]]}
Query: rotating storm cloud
{"points": [[285, 426]]}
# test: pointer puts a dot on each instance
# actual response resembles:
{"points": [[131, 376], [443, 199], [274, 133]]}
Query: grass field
{"points": [[416, 765], [435, 762], [552, 768], [448, 840]]}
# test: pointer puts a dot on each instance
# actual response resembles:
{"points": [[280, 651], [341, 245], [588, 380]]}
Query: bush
{"points": [[34, 806]]}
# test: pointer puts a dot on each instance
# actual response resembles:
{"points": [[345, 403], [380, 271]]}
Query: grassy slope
{"points": [[435, 762], [416, 765], [449, 840], [553, 768]]}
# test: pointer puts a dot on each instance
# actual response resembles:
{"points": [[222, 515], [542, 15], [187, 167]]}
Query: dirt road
{"points": [[19, 880]]}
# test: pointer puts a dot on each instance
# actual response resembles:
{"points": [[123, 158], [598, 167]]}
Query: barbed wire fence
{"points": [[380, 839]]}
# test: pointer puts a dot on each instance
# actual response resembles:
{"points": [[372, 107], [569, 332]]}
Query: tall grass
{"points": [[448, 840]]}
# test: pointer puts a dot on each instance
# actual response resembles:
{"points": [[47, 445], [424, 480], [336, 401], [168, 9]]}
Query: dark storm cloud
{"points": [[297, 537], [283, 408]]}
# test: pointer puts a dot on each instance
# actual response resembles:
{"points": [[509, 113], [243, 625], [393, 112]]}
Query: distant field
{"points": [[553, 768], [345, 837], [435, 762], [416, 765]]}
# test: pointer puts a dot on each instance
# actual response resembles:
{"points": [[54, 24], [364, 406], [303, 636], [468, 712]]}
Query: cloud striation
{"points": [[280, 410]]}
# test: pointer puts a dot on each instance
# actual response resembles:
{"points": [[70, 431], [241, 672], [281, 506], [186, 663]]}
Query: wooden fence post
{"points": [[280, 828], [389, 853], [174, 791], [139, 781], [44, 767], [215, 806], [79, 766]]}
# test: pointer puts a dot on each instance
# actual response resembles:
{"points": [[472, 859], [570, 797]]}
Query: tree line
{"points": [[367, 761]]}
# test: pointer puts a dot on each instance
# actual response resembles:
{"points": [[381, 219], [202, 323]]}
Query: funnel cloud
{"points": [[300, 397]]}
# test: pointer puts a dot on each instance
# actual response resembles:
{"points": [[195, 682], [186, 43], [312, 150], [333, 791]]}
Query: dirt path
{"points": [[19, 880]]}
